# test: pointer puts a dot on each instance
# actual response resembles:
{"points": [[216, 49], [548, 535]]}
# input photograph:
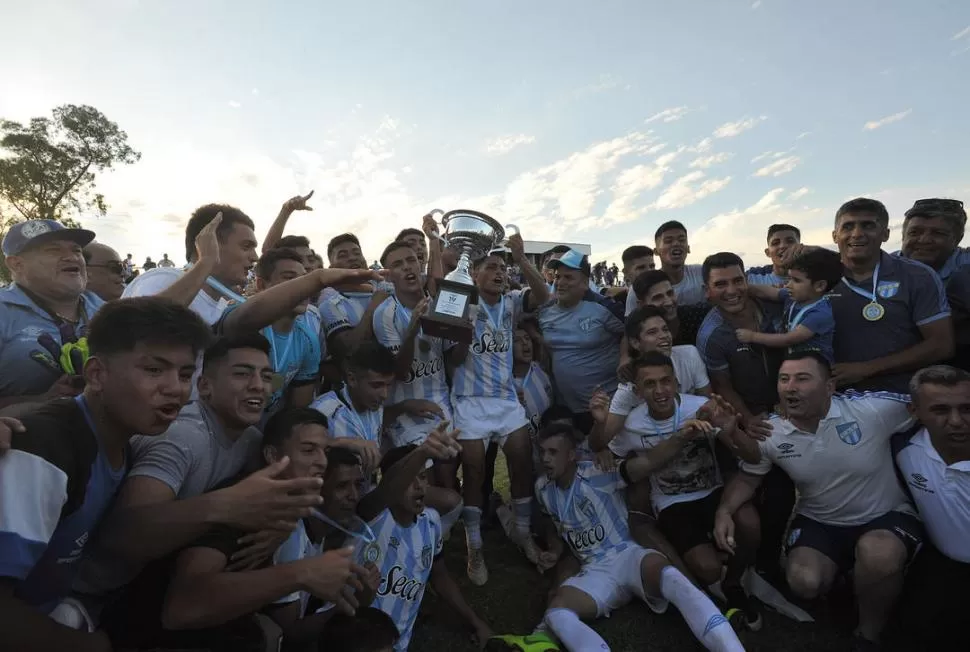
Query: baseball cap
{"points": [[31, 232], [573, 260], [937, 207]]}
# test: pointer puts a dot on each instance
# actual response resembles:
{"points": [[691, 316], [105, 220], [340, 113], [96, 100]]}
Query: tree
{"points": [[48, 171]]}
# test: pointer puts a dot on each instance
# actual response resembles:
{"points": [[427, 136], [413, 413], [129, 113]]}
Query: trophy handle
{"points": [[436, 215]]}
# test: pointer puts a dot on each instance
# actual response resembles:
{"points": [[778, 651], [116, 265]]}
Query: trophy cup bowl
{"points": [[472, 235]]}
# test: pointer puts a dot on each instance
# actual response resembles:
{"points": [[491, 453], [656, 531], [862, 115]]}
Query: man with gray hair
{"points": [[933, 463]]}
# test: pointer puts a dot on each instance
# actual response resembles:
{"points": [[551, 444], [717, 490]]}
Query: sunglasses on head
{"points": [[113, 266]]}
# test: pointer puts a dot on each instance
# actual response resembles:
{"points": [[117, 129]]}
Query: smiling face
{"points": [[53, 269], [662, 295], [654, 336], [106, 274], [672, 248], [727, 289], [307, 449], [859, 237], [657, 386], [145, 388], [945, 411], [778, 245], [238, 387], [347, 255], [404, 270], [571, 285], [930, 240]]}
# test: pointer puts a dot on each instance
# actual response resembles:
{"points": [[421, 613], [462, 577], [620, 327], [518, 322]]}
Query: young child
{"points": [[809, 322]]}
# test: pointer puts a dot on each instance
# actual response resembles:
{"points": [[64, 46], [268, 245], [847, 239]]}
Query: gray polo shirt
{"points": [[192, 457], [911, 294]]}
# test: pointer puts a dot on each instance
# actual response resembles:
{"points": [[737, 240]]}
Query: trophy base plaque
{"points": [[448, 316]]}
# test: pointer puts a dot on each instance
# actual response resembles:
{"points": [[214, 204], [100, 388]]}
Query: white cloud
{"points": [[798, 194], [702, 146], [889, 119], [756, 4], [731, 129], [234, 104], [963, 32], [505, 144], [672, 114], [779, 167], [683, 192], [804, 134], [704, 162], [630, 184]]}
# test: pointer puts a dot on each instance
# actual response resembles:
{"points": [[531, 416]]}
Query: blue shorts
{"points": [[837, 542]]}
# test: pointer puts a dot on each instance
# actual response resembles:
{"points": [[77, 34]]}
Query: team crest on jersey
{"points": [[426, 556], [586, 507], [850, 433], [888, 289], [372, 553], [586, 324]]}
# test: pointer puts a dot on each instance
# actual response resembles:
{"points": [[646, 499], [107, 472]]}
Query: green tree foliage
{"points": [[48, 166]]}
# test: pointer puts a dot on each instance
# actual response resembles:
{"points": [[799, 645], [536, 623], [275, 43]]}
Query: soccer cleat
{"points": [[537, 642], [743, 611], [529, 548], [477, 571]]}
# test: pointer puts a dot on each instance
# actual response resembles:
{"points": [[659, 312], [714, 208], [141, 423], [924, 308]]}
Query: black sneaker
{"points": [[743, 612]]}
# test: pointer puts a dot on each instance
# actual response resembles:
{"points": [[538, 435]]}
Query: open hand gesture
{"points": [[442, 442], [206, 243], [264, 502]]}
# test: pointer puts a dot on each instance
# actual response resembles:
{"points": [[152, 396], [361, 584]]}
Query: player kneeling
{"points": [[586, 507]]}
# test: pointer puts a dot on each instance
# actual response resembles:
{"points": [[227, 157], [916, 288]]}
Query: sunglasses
{"points": [[113, 266]]}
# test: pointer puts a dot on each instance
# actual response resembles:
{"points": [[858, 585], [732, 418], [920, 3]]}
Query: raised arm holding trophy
{"points": [[473, 235]]}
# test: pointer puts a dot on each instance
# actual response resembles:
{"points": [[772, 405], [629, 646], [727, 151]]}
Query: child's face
{"points": [[801, 288]]}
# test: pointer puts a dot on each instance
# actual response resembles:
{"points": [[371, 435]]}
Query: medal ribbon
{"points": [[797, 319], [367, 535], [873, 297]]}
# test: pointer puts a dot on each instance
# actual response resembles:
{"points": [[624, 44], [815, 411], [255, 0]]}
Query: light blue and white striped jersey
{"points": [[591, 514], [296, 547], [345, 421], [536, 390], [427, 379], [315, 321], [765, 276], [295, 356], [404, 556], [341, 311], [487, 369]]}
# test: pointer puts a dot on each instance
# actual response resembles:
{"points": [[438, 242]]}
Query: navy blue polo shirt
{"points": [[912, 295], [753, 368]]}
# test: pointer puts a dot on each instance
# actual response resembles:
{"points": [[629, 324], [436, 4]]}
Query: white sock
{"points": [[473, 526], [448, 520], [573, 633], [704, 619], [522, 510]]}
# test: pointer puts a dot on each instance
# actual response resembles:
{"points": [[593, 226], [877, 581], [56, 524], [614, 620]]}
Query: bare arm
{"points": [[275, 233], [801, 334], [739, 490], [537, 284], [764, 292], [187, 287], [24, 629]]}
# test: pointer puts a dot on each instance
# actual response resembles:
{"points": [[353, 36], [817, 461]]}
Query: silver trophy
{"points": [[472, 235]]}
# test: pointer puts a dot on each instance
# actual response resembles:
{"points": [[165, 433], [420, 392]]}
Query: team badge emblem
{"points": [[850, 433], [888, 289], [426, 556], [372, 553]]}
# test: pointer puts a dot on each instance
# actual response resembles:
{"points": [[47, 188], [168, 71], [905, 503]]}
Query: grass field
{"points": [[513, 601]]}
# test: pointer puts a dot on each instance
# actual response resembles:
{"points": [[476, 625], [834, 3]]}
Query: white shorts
{"points": [[615, 582], [488, 419]]}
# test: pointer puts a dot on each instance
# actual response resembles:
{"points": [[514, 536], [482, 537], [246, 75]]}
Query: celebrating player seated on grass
{"points": [[205, 598], [65, 467], [404, 539], [586, 510], [852, 513]]}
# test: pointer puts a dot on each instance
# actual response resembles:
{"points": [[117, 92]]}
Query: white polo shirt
{"points": [[844, 473], [941, 493]]}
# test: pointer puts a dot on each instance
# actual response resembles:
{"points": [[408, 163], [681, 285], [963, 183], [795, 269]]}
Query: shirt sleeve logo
{"points": [[850, 432]]}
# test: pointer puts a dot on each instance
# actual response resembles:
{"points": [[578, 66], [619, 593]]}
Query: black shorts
{"points": [[688, 525], [933, 605], [838, 542]]}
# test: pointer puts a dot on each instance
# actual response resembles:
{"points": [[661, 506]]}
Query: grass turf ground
{"points": [[514, 599]]}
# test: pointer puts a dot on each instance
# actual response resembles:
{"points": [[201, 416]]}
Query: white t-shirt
{"points": [[158, 280], [688, 368]]}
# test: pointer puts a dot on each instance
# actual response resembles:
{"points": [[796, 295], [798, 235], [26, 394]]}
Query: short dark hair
{"points": [[281, 425], [395, 455], [556, 413], [394, 246], [864, 206], [820, 265], [720, 260], [806, 354], [120, 325], [266, 264], [409, 231], [338, 240], [231, 216], [338, 456], [478, 262], [775, 228], [643, 282], [672, 225], [293, 241], [368, 630], [567, 431], [951, 210], [371, 356], [651, 359], [635, 252], [222, 346], [634, 322]]}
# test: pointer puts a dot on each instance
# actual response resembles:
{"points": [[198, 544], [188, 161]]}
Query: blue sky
{"points": [[587, 122]]}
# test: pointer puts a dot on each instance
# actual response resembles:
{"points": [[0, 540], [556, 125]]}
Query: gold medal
{"points": [[873, 311]]}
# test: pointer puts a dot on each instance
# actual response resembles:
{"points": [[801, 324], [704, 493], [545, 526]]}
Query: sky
{"points": [[588, 122]]}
